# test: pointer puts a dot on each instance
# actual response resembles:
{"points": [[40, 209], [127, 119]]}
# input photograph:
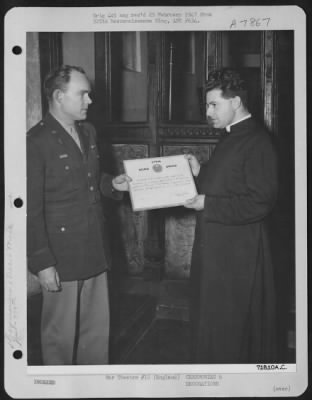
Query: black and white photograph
{"points": [[200, 289]]}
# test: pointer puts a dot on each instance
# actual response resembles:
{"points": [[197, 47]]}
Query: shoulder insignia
{"points": [[37, 129]]}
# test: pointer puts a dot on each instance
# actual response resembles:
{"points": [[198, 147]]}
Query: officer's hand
{"points": [[197, 202], [194, 164], [49, 279], [121, 183]]}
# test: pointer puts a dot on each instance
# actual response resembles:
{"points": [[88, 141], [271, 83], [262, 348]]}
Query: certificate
{"points": [[160, 182]]}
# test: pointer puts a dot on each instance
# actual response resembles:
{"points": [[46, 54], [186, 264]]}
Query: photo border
{"points": [[18, 21]]}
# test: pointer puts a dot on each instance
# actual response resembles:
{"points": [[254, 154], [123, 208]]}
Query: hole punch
{"points": [[17, 354], [18, 202], [17, 50]]}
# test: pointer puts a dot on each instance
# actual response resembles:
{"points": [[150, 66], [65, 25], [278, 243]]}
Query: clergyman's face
{"points": [[219, 110], [75, 99]]}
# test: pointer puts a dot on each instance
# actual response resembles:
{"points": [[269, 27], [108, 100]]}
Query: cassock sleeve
{"points": [[39, 253], [258, 198]]}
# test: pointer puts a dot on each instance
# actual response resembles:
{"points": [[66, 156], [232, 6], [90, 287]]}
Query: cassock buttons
{"points": [[63, 229], [89, 174], [91, 188], [67, 167]]}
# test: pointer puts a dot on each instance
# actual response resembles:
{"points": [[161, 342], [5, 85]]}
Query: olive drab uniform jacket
{"points": [[66, 227]]}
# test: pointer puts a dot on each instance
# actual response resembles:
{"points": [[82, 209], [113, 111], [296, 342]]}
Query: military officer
{"points": [[68, 244]]}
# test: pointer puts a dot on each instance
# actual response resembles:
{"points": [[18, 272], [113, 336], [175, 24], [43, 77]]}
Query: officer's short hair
{"points": [[58, 79], [229, 82]]}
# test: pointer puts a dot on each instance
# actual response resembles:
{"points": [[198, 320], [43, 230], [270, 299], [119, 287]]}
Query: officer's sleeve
{"points": [[107, 189], [39, 254]]}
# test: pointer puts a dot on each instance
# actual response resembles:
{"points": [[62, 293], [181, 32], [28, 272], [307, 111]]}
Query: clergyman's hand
{"points": [[194, 164], [197, 202], [49, 279], [121, 183]]}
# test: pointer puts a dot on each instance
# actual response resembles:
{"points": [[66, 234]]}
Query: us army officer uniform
{"points": [[66, 229]]}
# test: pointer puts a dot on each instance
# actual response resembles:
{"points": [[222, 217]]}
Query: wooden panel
{"points": [[102, 87], [33, 81], [128, 134], [133, 225], [149, 238], [268, 80], [50, 48], [128, 152], [202, 153], [192, 134], [180, 222], [179, 238]]}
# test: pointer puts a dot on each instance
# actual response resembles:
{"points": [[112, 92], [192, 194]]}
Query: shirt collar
{"points": [[68, 128], [228, 127]]}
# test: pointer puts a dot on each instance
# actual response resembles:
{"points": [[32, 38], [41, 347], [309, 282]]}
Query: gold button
{"points": [[91, 188], [63, 229], [89, 174], [66, 167]]}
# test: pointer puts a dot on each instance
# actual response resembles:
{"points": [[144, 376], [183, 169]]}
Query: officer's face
{"points": [[75, 98], [219, 110]]}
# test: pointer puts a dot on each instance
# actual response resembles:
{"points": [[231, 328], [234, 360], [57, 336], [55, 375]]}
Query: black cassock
{"points": [[232, 286]]}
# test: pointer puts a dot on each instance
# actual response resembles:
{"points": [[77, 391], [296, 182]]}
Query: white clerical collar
{"points": [[228, 127]]}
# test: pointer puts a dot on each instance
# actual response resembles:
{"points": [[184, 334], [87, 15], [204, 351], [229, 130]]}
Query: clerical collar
{"points": [[228, 127]]}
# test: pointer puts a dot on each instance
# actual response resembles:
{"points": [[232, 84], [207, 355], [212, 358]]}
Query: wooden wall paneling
{"points": [[213, 52], [154, 242], [51, 57], [149, 237], [184, 133], [163, 68], [268, 80], [131, 133], [283, 216], [179, 221], [33, 80], [101, 108], [132, 225]]}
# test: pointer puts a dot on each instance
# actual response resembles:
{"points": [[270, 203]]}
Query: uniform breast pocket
{"points": [[63, 174]]}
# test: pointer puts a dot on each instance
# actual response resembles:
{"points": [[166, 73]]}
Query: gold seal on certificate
{"points": [[160, 182]]}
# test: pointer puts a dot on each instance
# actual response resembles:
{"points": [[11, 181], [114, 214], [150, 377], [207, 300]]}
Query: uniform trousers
{"points": [[75, 323]]}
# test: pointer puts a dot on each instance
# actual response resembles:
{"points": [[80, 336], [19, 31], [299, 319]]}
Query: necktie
{"points": [[73, 133]]}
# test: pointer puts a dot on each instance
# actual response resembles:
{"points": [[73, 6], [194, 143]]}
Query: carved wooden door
{"points": [[149, 102]]}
